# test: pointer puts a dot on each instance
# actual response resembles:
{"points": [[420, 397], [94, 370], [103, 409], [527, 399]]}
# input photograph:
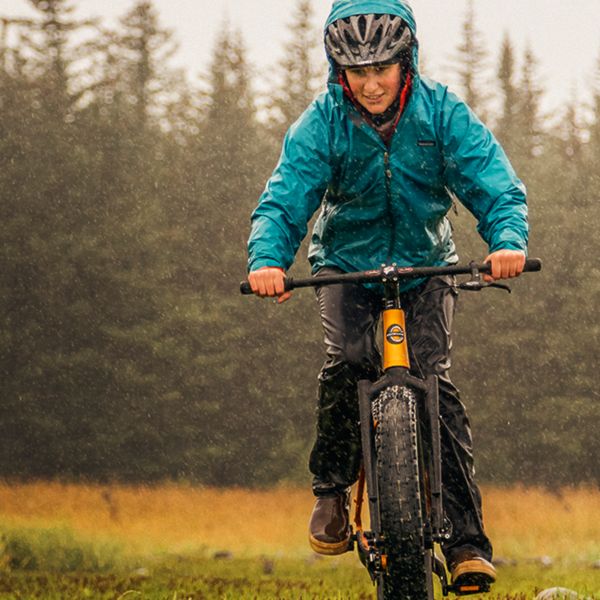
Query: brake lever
{"points": [[478, 285], [501, 286]]}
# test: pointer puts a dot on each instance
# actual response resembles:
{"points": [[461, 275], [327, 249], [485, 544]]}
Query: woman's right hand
{"points": [[269, 282]]}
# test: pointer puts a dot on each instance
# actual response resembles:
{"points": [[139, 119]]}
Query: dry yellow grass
{"points": [[168, 517], [530, 522], [522, 522]]}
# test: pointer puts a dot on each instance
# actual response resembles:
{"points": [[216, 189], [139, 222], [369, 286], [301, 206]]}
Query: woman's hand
{"points": [[269, 282], [505, 264]]}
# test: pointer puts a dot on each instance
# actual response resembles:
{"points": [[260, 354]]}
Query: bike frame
{"points": [[396, 372]]}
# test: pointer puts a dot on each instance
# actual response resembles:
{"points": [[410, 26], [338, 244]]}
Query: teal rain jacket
{"points": [[383, 204]]}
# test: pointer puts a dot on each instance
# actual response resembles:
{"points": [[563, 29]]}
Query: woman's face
{"points": [[375, 88]]}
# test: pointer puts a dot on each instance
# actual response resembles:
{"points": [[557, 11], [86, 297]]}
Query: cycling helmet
{"points": [[364, 40]]}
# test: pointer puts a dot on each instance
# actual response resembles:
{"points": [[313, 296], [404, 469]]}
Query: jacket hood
{"points": [[342, 9]]}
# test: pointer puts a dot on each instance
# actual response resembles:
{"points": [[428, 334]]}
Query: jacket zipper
{"points": [[388, 189]]}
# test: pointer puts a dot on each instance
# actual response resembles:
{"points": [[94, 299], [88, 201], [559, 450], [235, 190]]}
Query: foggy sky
{"points": [[565, 36]]}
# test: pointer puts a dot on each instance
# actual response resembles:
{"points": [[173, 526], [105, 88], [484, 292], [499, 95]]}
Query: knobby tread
{"points": [[400, 496]]}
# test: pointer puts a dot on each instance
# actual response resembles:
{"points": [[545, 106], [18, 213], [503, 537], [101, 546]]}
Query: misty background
{"points": [[126, 351], [564, 35]]}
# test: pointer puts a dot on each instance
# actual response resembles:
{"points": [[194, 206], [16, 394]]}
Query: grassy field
{"points": [[74, 541]]}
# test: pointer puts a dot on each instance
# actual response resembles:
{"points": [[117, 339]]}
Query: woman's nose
{"points": [[372, 82]]}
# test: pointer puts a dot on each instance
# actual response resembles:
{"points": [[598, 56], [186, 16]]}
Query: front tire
{"points": [[408, 572]]}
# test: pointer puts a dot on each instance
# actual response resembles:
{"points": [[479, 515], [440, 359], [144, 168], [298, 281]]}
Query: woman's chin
{"points": [[374, 108]]}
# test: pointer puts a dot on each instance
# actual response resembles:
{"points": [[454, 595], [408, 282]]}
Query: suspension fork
{"points": [[367, 432]]}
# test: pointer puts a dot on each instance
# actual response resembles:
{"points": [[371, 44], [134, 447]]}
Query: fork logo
{"points": [[395, 334]]}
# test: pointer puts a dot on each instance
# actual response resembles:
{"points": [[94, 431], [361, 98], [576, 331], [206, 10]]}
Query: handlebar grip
{"points": [[245, 288], [533, 265]]}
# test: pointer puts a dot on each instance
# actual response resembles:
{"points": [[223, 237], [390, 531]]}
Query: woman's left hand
{"points": [[505, 264]]}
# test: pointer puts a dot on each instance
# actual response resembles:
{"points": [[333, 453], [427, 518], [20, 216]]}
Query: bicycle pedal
{"points": [[467, 589]]}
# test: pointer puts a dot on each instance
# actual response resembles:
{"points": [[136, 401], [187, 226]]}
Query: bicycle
{"points": [[400, 434]]}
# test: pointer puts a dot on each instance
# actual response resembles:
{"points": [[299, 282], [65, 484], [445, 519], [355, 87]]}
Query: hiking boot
{"points": [[329, 531], [470, 569]]}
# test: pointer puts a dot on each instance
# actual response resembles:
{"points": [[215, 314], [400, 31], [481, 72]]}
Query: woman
{"points": [[383, 152]]}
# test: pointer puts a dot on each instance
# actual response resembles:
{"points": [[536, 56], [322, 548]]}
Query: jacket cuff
{"points": [[259, 263], [509, 245]]}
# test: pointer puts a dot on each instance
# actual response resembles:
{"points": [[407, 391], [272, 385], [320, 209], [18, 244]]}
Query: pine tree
{"points": [[302, 73], [147, 48], [595, 125], [528, 142], [56, 58], [84, 270], [507, 126], [225, 171], [471, 59], [591, 155], [132, 180], [43, 215], [233, 164], [571, 132], [250, 416]]}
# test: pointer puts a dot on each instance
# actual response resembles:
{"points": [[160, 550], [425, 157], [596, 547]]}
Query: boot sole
{"points": [[472, 572], [329, 549]]}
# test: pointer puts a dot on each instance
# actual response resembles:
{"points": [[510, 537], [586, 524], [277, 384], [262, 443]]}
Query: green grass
{"points": [[55, 550], [273, 578], [56, 563]]}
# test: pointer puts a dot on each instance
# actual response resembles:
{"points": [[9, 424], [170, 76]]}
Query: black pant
{"points": [[350, 316]]}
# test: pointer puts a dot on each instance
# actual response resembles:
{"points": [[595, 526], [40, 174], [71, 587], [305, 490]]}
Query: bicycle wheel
{"points": [[408, 572]]}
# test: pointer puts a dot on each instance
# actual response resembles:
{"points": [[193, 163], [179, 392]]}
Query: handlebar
{"points": [[393, 273]]}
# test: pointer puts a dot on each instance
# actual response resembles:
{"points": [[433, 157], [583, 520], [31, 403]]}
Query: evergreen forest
{"points": [[126, 187]]}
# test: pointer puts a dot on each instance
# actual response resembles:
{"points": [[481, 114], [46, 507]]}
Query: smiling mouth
{"points": [[374, 98]]}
